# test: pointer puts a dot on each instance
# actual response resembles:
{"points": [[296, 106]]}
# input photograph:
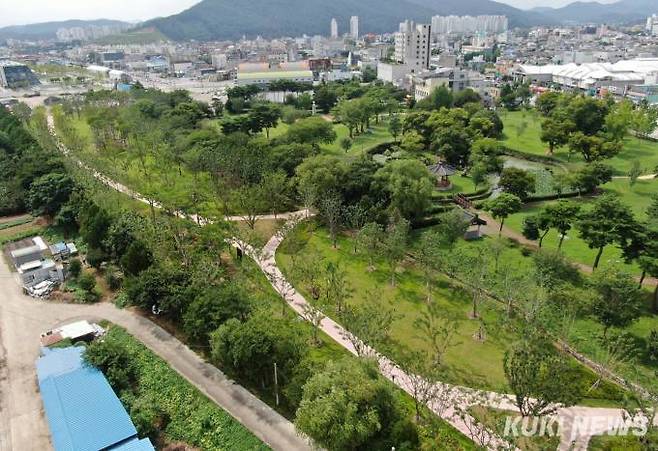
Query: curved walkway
{"points": [[454, 400], [22, 319]]}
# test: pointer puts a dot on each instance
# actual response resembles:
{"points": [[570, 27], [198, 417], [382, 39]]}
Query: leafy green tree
{"points": [[536, 227], [369, 240], [562, 216], [619, 301], [251, 348], [607, 222], [503, 206], [548, 102], [594, 148], [346, 144], [395, 127], [439, 329], [277, 189], [160, 288], [518, 182], [349, 406], [556, 132], [49, 193], [591, 176], [114, 360], [212, 308], [325, 98], [540, 378], [440, 97], [407, 185], [264, 116], [313, 131], [395, 245], [138, 257]]}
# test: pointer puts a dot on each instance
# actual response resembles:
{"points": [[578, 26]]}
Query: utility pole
{"points": [[276, 385]]}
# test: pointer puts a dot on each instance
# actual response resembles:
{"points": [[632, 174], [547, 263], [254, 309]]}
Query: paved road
{"points": [[22, 319]]}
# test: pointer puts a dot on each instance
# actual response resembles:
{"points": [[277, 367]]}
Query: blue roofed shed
{"points": [[84, 413]]}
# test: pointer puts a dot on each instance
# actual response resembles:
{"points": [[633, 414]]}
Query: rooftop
{"points": [[84, 413]]}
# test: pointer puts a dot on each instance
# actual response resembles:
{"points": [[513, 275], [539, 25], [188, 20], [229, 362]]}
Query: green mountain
{"points": [[621, 12], [230, 19], [48, 30]]}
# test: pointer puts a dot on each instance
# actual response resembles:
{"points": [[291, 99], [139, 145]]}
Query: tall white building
{"points": [[412, 45], [334, 28], [652, 25], [354, 27], [469, 24]]}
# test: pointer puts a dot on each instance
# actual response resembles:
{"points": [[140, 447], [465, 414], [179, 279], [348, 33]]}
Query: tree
{"points": [[540, 378], [264, 116], [555, 132], [251, 202], [518, 182], [548, 102], [440, 97], [536, 227], [594, 148], [369, 241], [607, 222], [394, 246], [251, 348], [591, 176], [137, 258], [115, 361], [368, 324], [438, 329], [346, 144], [212, 308], [349, 406], [49, 193], [562, 216], [275, 186], [634, 173], [313, 131], [395, 127], [337, 286], [619, 300], [503, 206], [408, 186]]}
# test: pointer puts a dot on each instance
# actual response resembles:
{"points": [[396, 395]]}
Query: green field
{"points": [[470, 362], [646, 152]]}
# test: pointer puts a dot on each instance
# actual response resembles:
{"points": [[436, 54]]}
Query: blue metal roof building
{"points": [[84, 413]]}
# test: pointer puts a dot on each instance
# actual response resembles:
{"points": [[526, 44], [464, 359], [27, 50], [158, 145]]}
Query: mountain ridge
{"points": [[48, 30]]}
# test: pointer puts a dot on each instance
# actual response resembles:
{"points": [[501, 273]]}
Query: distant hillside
{"points": [[230, 19], [622, 12], [48, 30]]}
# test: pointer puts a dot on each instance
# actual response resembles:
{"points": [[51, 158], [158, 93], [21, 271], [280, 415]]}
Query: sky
{"points": [[18, 12]]}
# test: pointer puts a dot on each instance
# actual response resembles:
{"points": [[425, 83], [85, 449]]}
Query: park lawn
{"points": [[635, 149], [638, 196], [483, 367], [495, 419], [192, 418], [574, 248], [616, 443], [327, 351]]}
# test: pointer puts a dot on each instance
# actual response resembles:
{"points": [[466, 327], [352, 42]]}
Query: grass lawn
{"points": [[192, 418], [638, 197], [646, 152], [495, 420], [612, 443], [470, 362]]}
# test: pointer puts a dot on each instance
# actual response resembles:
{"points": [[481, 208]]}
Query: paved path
{"points": [[22, 319], [454, 400]]}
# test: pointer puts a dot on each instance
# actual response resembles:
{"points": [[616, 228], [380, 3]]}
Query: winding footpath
{"points": [[452, 402]]}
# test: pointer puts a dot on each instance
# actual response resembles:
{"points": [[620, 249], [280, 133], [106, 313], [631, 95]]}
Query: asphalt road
{"points": [[22, 319]]}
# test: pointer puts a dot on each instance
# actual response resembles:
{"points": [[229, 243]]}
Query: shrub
{"points": [[652, 345], [113, 278], [75, 268]]}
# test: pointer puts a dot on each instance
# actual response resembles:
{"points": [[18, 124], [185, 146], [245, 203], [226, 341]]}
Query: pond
{"points": [[543, 174]]}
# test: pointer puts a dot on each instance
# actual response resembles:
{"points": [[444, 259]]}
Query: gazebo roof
{"points": [[442, 169]]}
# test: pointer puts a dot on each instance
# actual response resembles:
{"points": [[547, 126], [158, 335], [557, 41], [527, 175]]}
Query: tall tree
{"points": [[503, 206]]}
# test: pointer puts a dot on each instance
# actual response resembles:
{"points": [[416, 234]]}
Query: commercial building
{"points": [[354, 27], [15, 75], [469, 24], [453, 78], [652, 25], [334, 29], [412, 53], [83, 412], [615, 78], [262, 74]]}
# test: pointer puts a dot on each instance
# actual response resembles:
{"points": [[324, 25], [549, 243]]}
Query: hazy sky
{"points": [[17, 12]]}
